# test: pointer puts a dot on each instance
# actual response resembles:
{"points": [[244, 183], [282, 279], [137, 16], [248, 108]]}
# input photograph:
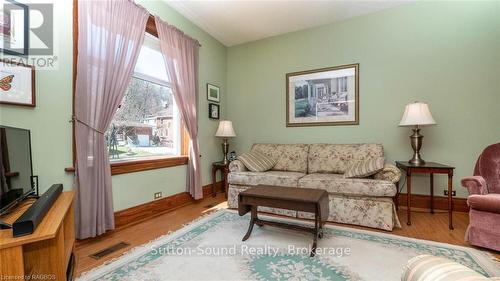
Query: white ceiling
{"points": [[235, 22]]}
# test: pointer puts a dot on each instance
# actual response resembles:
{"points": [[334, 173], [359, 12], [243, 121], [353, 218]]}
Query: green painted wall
{"points": [[444, 53], [51, 131]]}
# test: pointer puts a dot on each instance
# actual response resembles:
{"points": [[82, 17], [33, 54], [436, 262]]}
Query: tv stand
{"points": [[47, 252]]}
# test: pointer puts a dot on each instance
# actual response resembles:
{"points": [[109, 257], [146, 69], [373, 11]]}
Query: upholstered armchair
{"points": [[484, 200], [431, 268]]}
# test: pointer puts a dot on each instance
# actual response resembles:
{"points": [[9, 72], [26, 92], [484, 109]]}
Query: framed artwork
{"points": [[213, 93], [323, 97], [213, 111], [17, 84], [14, 28]]}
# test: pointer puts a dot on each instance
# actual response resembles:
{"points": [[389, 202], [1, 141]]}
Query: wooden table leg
{"points": [[214, 180], [324, 211], [315, 232], [450, 199], [252, 222], [408, 199], [432, 192]]}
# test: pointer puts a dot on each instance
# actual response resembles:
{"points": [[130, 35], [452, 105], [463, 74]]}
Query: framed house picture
{"points": [[17, 84], [213, 111], [213, 93], [14, 28], [323, 97]]}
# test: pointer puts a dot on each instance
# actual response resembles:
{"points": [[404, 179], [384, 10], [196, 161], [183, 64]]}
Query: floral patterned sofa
{"points": [[366, 201]]}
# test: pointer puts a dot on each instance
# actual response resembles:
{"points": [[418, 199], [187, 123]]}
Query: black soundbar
{"points": [[27, 223]]}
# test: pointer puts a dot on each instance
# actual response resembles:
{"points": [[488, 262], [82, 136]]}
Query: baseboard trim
{"points": [[440, 202], [140, 213]]}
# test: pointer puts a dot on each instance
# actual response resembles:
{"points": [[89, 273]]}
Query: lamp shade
{"points": [[225, 129], [417, 114]]}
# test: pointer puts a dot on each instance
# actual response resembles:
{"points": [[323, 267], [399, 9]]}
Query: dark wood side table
{"points": [[224, 168], [430, 168]]}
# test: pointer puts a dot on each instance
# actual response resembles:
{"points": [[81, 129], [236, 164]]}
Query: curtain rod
{"points": [[155, 31]]}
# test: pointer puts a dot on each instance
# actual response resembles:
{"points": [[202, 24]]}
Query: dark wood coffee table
{"points": [[291, 198]]}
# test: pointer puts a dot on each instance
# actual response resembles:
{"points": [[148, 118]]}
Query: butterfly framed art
{"points": [[17, 83]]}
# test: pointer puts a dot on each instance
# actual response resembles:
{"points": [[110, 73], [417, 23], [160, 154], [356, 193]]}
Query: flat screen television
{"points": [[16, 171]]}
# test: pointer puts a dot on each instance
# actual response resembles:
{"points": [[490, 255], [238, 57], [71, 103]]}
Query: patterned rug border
{"points": [[136, 251], [481, 257]]}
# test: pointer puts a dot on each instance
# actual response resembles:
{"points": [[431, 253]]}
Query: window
{"points": [[150, 71], [147, 123]]}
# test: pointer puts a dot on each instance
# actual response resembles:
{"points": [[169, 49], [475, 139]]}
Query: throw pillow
{"points": [[256, 161], [364, 168]]}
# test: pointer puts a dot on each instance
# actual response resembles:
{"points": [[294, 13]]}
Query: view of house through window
{"points": [[147, 122]]}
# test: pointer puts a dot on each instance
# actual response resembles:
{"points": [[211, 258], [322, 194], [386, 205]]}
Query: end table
{"points": [[224, 168], [430, 168]]}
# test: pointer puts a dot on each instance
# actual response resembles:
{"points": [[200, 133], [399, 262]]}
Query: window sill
{"points": [[134, 166], [70, 170]]}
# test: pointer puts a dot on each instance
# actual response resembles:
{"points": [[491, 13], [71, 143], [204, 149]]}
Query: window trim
{"points": [[134, 165], [131, 166]]}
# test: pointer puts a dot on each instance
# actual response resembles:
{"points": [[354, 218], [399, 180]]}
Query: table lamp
{"points": [[225, 131], [416, 114]]}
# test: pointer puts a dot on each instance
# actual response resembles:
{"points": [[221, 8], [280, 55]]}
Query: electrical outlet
{"points": [[157, 195], [453, 192]]}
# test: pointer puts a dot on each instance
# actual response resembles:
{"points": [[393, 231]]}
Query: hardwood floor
{"points": [[424, 226], [143, 232]]}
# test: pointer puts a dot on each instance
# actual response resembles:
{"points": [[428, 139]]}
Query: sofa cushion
{"points": [[487, 203], [288, 157], [334, 158], [364, 168], [337, 184], [256, 161], [277, 178]]}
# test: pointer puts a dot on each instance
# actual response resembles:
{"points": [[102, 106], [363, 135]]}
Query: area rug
{"points": [[211, 249]]}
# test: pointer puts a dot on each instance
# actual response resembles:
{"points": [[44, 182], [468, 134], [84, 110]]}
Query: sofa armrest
{"points": [[389, 173], [428, 268], [237, 166], [475, 185]]}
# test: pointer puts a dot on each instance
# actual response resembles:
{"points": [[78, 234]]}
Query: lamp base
{"points": [[225, 150], [416, 144], [416, 161]]}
